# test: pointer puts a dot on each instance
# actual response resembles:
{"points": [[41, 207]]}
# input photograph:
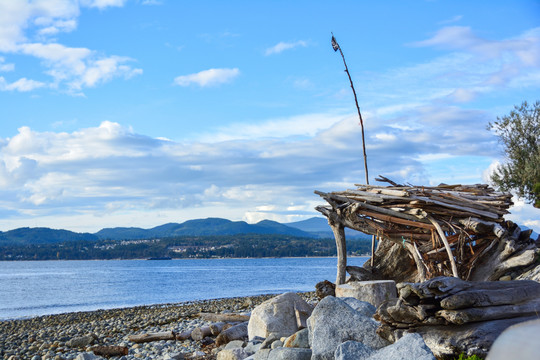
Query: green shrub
{"points": [[465, 357]]}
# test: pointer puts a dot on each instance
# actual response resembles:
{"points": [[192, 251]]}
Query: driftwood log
{"points": [[453, 309], [224, 317], [237, 332], [109, 351], [201, 332], [148, 337], [184, 335]]}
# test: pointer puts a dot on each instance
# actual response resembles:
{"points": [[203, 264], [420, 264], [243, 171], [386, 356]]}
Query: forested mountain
{"points": [[311, 228]]}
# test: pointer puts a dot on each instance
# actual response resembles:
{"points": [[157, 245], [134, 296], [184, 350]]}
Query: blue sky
{"points": [[143, 112]]}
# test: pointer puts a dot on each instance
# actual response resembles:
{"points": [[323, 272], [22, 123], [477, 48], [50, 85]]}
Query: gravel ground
{"points": [[52, 337]]}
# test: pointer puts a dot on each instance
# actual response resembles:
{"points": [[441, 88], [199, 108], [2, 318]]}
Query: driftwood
{"points": [[217, 328], [507, 294], [454, 309], [446, 341], [237, 332], [148, 337], [184, 335], [459, 220], [108, 351], [223, 317], [201, 332], [463, 316]]}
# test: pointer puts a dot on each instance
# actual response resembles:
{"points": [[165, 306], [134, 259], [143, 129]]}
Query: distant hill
{"points": [[316, 227], [201, 227], [40, 235]]}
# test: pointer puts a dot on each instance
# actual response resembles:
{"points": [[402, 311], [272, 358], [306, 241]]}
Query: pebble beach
{"points": [[52, 336]]}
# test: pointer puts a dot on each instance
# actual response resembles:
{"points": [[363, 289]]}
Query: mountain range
{"points": [[315, 227]]}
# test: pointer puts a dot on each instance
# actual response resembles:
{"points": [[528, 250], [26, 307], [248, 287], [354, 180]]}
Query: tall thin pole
{"points": [[336, 47]]}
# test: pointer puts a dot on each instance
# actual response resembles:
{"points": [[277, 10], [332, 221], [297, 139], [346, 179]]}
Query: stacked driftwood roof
{"points": [[446, 228]]}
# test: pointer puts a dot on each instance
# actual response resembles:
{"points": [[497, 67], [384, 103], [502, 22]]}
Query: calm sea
{"points": [[32, 288]]}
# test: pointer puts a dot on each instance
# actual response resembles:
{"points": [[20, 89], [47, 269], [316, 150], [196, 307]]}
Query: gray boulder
{"points": [[363, 307], [333, 322], [282, 316], [234, 344], [174, 356], [232, 354], [352, 350], [410, 346], [253, 346], [374, 292], [88, 356], [299, 339], [290, 354], [80, 342], [262, 354]]}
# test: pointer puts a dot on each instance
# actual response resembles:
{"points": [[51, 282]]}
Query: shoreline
{"points": [[209, 258], [48, 336]]}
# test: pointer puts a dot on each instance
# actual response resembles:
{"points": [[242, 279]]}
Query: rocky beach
{"points": [[69, 336]]}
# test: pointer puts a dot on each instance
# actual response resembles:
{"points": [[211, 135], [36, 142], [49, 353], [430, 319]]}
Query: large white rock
{"points": [[374, 292], [281, 316], [519, 341]]}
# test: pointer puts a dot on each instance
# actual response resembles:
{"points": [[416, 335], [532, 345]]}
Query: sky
{"points": [[144, 112]]}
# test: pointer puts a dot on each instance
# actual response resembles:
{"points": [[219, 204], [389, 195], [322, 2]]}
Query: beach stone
{"points": [[234, 344], [232, 354], [333, 322], [276, 344], [80, 342], [88, 356], [517, 342], [174, 356], [299, 339], [410, 346], [253, 346], [269, 340], [325, 288], [262, 354], [363, 307], [352, 350], [277, 316], [374, 292], [290, 354]]}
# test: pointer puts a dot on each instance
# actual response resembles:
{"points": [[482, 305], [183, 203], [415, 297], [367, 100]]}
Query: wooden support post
{"points": [[446, 245], [339, 235]]}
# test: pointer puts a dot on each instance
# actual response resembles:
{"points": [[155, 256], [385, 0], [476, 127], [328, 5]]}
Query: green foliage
{"points": [[240, 246], [465, 357], [519, 133]]}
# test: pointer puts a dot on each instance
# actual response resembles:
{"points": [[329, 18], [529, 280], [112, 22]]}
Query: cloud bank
{"points": [[112, 171]]}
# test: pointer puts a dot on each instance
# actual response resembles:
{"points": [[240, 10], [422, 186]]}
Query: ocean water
{"points": [[33, 288]]}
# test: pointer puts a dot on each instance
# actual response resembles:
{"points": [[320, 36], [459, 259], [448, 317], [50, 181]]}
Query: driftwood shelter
{"points": [[446, 229]]}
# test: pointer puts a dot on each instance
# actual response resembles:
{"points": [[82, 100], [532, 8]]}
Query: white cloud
{"points": [[524, 49], [21, 85], [101, 4], [26, 28], [282, 46], [210, 77], [294, 126], [6, 67]]}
